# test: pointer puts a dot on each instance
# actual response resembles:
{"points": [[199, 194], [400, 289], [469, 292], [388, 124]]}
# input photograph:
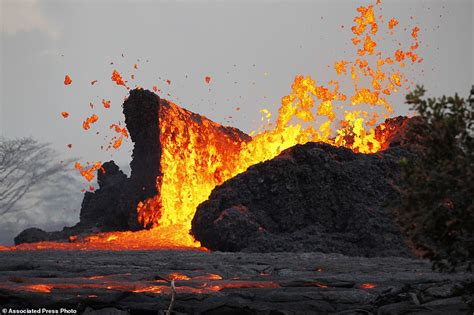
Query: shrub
{"points": [[437, 211]]}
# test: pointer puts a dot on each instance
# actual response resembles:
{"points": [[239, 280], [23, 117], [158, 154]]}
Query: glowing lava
{"points": [[194, 161]]}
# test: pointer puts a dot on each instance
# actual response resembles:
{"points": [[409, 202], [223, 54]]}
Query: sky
{"points": [[252, 50]]}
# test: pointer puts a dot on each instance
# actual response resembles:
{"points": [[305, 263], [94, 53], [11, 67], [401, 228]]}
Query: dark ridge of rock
{"points": [[101, 209], [312, 197], [141, 111], [31, 235]]}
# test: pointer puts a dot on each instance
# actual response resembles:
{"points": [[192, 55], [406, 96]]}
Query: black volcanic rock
{"points": [[101, 209], [31, 235], [312, 197], [141, 111]]}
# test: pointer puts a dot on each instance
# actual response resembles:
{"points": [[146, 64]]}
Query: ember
{"points": [[117, 78], [106, 104], [88, 173], [67, 80], [86, 125]]}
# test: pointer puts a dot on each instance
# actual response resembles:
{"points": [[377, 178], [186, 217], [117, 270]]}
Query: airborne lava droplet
{"points": [[117, 143], [106, 103], [117, 78], [88, 121], [67, 80], [208, 79], [88, 174], [392, 23], [93, 82], [65, 114]]}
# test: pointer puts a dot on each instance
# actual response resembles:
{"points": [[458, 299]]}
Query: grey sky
{"points": [[251, 49]]}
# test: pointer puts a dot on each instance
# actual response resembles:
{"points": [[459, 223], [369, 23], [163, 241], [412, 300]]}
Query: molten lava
{"points": [[193, 163], [194, 160]]}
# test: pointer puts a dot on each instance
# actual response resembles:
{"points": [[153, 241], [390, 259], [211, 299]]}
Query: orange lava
{"points": [[65, 114], [88, 173], [117, 78], [178, 276], [193, 161], [86, 125], [38, 288], [392, 23], [67, 80], [106, 104], [367, 286]]}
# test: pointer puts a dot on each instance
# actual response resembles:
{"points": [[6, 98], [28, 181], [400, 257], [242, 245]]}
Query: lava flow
{"points": [[193, 162]]}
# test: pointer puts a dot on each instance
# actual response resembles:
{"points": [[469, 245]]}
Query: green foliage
{"points": [[437, 204]]}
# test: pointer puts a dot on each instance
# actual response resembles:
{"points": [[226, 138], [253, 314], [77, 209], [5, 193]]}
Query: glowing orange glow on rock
{"points": [[367, 286], [178, 276], [38, 288], [67, 80], [187, 181], [244, 285], [210, 277]]}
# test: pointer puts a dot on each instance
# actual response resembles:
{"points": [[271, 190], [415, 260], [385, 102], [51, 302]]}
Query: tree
{"points": [[437, 211], [25, 165]]}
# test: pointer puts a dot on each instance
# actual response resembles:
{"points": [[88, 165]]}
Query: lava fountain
{"points": [[197, 155]]}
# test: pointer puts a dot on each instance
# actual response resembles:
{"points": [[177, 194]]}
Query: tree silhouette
{"points": [[26, 165]]}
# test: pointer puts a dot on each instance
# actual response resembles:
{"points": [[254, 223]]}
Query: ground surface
{"points": [[227, 283]]}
